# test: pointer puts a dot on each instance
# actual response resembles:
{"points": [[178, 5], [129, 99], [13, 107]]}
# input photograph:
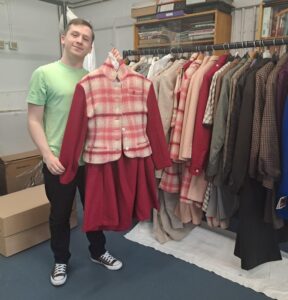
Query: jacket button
{"points": [[123, 129], [127, 148]]}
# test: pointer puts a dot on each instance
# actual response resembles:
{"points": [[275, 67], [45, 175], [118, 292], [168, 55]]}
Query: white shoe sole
{"points": [[58, 282], [112, 268]]}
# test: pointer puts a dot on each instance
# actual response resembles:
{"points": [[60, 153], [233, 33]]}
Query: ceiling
{"points": [[74, 3], [81, 1]]}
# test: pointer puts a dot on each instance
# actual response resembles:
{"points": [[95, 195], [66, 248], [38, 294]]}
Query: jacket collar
{"points": [[111, 73]]}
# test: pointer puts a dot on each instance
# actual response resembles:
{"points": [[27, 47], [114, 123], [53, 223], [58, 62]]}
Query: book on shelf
{"points": [[282, 22], [189, 2], [151, 42], [145, 18], [170, 14]]}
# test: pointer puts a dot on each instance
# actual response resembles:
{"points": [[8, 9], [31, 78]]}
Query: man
{"points": [[49, 100]]}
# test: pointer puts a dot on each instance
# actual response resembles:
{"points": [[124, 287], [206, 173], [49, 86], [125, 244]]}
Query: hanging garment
{"points": [[192, 96], [219, 126], [210, 107], [159, 65], [114, 114], [260, 85], [202, 134], [243, 140], [269, 154], [256, 241], [227, 154], [176, 131], [282, 91], [166, 95], [188, 130], [282, 193], [230, 140]]}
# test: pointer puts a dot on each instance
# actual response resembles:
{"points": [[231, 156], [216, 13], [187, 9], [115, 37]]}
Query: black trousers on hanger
{"points": [[257, 240], [61, 197]]}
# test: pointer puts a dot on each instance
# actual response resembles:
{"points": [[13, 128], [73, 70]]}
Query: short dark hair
{"points": [[79, 21]]}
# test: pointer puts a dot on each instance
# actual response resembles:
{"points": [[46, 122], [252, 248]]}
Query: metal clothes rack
{"points": [[202, 48]]}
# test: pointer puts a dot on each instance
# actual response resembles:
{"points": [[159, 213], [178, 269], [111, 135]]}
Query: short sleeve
{"points": [[37, 88]]}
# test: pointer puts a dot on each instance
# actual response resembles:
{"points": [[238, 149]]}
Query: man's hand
{"points": [[53, 164]]}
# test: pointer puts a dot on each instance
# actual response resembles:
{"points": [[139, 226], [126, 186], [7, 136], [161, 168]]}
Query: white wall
{"points": [[245, 21], [112, 25], [243, 3], [34, 26]]}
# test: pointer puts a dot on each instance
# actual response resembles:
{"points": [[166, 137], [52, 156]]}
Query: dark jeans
{"points": [[61, 198]]}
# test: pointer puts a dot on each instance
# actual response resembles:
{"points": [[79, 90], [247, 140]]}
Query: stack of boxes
{"points": [[162, 9], [170, 8], [144, 10], [158, 9], [24, 207]]}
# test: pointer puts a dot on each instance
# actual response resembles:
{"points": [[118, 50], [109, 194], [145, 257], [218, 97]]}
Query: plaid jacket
{"points": [[117, 114], [176, 131], [113, 112]]}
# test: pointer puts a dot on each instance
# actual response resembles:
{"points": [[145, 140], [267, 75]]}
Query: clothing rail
{"points": [[202, 48]]}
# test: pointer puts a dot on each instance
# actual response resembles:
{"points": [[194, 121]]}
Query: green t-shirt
{"points": [[53, 86]]}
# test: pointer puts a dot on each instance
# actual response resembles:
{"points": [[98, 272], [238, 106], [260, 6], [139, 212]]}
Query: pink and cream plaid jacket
{"points": [[117, 114]]}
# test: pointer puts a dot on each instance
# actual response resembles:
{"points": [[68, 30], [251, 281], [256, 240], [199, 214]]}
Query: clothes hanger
{"points": [[251, 52], [275, 55], [230, 56], [200, 55], [114, 61], [266, 51]]}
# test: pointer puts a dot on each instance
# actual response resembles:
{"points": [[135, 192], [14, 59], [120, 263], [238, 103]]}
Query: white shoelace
{"points": [[60, 270], [108, 257]]}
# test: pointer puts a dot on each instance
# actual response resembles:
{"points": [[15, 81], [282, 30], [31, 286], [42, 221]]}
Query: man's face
{"points": [[77, 41]]}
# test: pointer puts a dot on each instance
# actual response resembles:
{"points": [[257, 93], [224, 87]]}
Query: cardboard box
{"points": [[28, 238], [23, 210], [24, 219], [19, 171], [143, 9]]}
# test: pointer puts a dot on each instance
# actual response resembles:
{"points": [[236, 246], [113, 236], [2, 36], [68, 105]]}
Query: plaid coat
{"points": [[119, 115]]}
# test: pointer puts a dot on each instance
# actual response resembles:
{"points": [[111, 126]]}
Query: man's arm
{"points": [[35, 126]]}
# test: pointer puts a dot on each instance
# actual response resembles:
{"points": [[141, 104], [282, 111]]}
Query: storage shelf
{"points": [[172, 29], [155, 21], [273, 20], [174, 44]]}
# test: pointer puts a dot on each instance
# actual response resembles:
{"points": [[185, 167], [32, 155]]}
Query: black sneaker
{"points": [[108, 261], [59, 274]]}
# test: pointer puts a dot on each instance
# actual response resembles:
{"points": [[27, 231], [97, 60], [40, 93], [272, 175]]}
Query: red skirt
{"points": [[118, 192]]}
